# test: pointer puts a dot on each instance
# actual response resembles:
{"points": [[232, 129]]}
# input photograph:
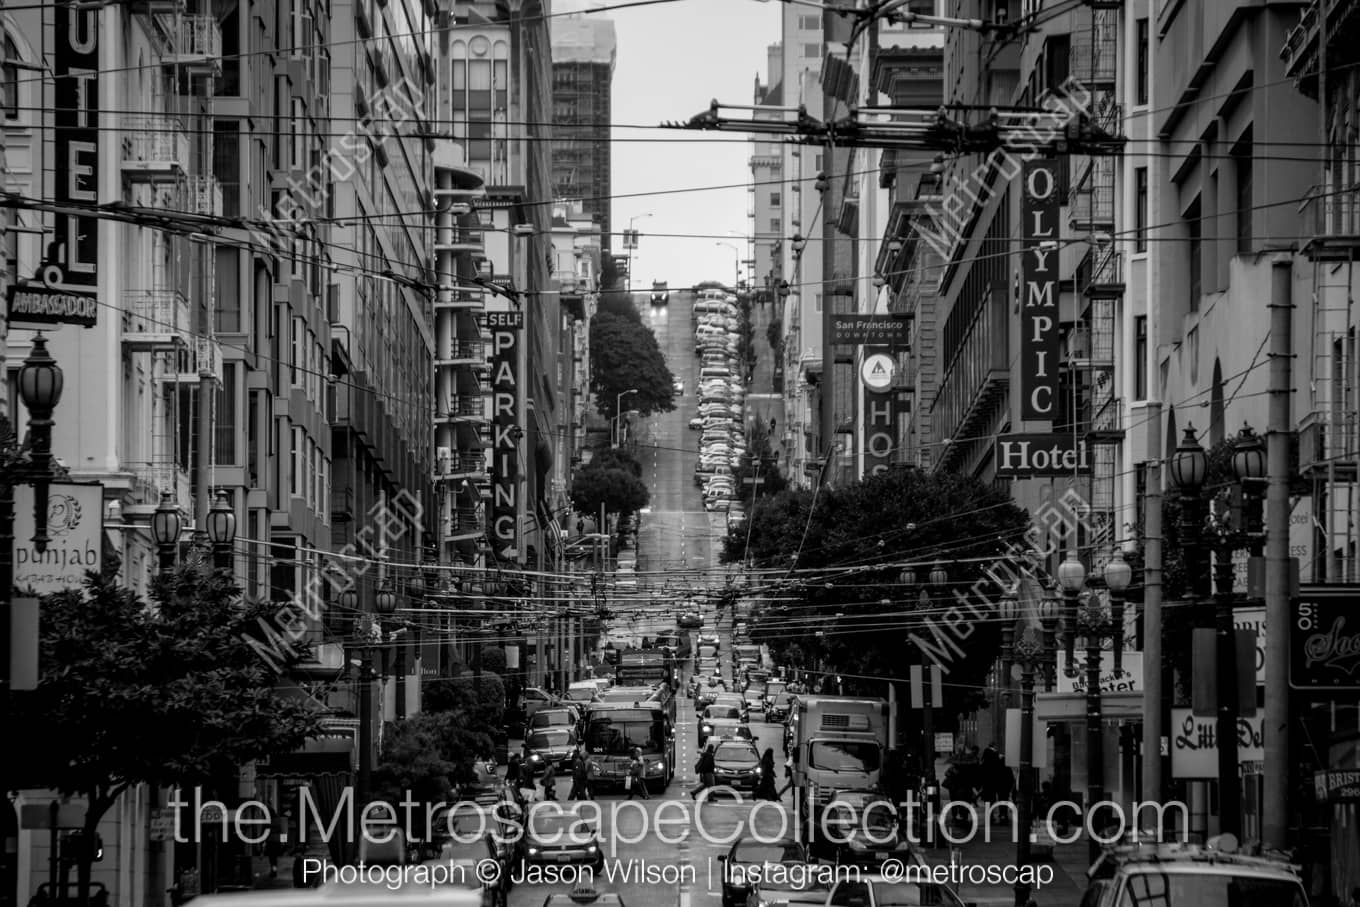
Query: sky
{"points": [[673, 60]]}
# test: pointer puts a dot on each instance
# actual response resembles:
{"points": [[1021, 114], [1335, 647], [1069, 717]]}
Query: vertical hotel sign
{"points": [[72, 257], [1039, 339], [505, 328]]}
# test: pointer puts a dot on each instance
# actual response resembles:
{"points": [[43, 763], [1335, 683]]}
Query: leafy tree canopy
{"points": [[620, 304], [415, 758], [615, 458], [624, 356], [617, 490], [493, 659], [901, 515], [170, 693]]}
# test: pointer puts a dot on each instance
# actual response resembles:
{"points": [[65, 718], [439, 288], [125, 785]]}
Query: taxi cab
{"points": [[1216, 874]]}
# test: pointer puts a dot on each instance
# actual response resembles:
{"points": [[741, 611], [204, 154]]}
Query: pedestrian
{"points": [[788, 773], [549, 781], [765, 790], [592, 777], [580, 526], [636, 780], [706, 768], [578, 777]]}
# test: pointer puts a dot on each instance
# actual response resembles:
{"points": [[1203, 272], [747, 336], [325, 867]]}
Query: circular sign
{"points": [[876, 371]]}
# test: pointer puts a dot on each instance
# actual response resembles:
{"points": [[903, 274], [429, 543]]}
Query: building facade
{"points": [[584, 49]]}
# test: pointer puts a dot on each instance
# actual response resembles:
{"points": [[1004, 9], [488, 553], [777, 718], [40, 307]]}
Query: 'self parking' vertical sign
{"points": [[505, 329]]}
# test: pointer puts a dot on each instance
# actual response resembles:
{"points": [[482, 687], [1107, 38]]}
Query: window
{"points": [[774, 225], [297, 362], [810, 23], [774, 199], [817, 302], [1140, 349], [9, 80], [812, 51], [227, 289], [1194, 246], [1141, 91], [1241, 157], [225, 417], [227, 164], [1140, 223], [297, 140], [299, 453]]}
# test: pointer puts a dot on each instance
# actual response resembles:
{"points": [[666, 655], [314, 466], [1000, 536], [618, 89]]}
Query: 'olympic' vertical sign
{"points": [[1039, 337]]}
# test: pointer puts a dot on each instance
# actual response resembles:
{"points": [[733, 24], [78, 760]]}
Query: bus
{"points": [[614, 730]]}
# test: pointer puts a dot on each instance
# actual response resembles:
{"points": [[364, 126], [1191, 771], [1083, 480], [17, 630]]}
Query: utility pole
{"points": [[5, 265], [1275, 798]]}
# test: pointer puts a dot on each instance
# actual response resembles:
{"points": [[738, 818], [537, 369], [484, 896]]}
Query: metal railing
{"points": [[199, 36], [155, 312], [204, 196], [151, 480], [156, 141], [469, 405], [1332, 211]]}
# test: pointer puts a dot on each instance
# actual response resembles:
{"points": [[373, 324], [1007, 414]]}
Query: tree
{"points": [[173, 692], [617, 490], [493, 659], [619, 303], [615, 458], [414, 758], [901, 515], [624, 356]]}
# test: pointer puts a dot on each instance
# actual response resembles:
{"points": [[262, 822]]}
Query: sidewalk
{"points": [[1068, 868]]}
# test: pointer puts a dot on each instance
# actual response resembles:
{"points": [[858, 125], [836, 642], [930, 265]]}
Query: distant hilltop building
{"points": [[584, 49]]}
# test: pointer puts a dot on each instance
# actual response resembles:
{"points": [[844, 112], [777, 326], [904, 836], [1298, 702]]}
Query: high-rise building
{"points": [[584, 49], [494, 88]]}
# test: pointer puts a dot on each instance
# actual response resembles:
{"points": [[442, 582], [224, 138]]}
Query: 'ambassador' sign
{"points": [[1028, 456], [38, 305]]}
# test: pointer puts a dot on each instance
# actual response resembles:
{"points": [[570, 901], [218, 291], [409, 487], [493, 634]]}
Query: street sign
{"points": [[871, 330], [877, 371], [38, 816], [1195, 752]]}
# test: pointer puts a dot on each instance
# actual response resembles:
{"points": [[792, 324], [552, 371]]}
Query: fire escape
{"points": [[167, 330], [1097, 415], [1329, 430], [462, 420]]}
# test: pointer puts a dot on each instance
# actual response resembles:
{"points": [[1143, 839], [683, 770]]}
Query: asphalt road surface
{"points": [[678, 541], [674, 863]]}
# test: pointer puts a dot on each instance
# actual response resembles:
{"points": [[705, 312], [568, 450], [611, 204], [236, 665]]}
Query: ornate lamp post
{"points": [[1028, 652], [222, 531], [166, 526], [1071, 579], [1118, 574], [40, 382]]}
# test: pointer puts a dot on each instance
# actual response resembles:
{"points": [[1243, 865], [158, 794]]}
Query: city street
{"points": [[677, 540], [689, 850]]}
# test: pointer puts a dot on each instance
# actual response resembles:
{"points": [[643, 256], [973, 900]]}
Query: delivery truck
{"points": [[839, 744]]}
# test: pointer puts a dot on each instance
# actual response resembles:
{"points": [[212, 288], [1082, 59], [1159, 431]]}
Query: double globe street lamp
{"points": [[367, 636], [1095, 625], [1223, 534]]}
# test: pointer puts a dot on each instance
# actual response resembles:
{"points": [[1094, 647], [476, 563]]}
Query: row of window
{"points": [[310, 478]]}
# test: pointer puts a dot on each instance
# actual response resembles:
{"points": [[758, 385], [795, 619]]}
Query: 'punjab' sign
{"points": [[505, 329], [1039, 338], [1028, 456], [75, 537]]}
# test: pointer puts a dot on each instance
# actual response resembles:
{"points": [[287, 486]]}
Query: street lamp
{"points": [[938, 575], [631, 242], [166, 525], [40, 383], [736, 263], [1071, 578], [1029, 625], [222, 531], [618, 411], [1118, 575]]}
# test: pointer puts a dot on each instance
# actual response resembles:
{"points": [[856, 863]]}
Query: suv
{"points": [[1189, 875]]}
